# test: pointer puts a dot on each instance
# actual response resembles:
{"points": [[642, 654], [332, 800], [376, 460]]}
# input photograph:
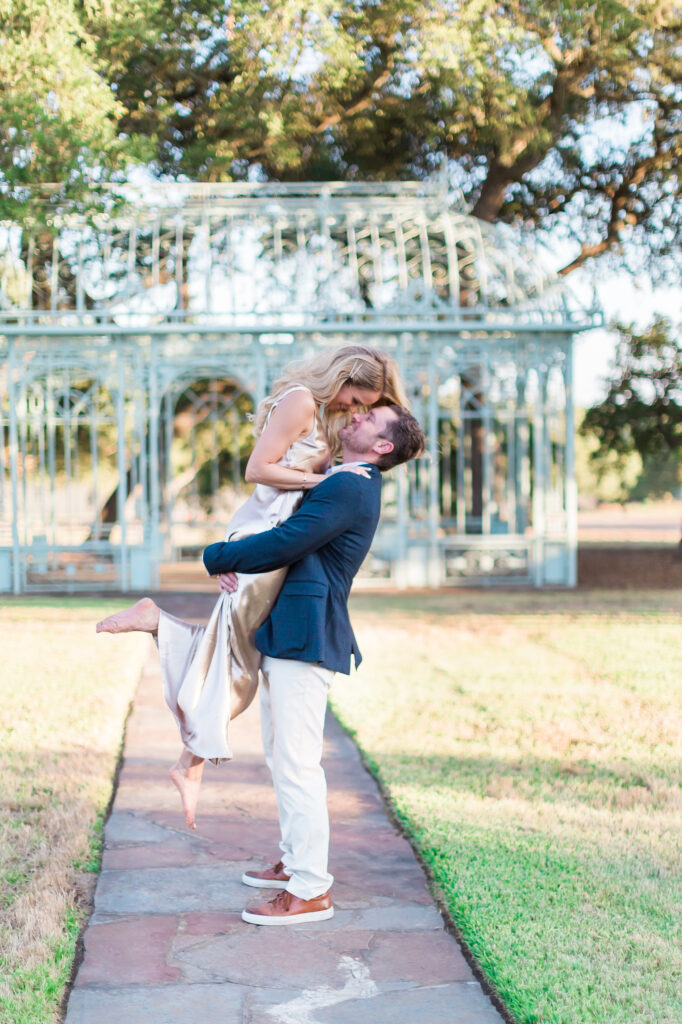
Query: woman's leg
{"points": [[186, 774], [141, 617], [144, 617]]}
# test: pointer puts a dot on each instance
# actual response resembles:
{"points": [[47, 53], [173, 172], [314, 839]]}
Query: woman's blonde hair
{"points": [[325, 374]]}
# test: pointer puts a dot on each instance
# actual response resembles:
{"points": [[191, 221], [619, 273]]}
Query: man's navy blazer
{"points": [[324, 543]]}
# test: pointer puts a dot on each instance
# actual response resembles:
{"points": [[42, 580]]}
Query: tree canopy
{"points": [[563, 114], [58, 113]]}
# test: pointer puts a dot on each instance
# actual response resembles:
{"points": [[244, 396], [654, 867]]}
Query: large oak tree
{"points": [[562, 114], [556, 114]]}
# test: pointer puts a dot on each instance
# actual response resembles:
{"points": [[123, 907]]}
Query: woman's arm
{"points": [[329, 511], [292, 419]]}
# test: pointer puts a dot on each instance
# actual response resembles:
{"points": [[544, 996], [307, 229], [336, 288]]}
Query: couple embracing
{"points": [[329, 429]]}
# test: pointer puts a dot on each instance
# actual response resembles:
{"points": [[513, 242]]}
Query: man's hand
{"points": [[228, 582]]}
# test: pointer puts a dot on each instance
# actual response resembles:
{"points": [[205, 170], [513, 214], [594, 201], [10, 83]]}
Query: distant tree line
{"points": [[640, 416]]}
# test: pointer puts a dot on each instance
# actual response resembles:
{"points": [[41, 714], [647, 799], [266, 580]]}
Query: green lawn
{"points": [[530, 745], [63, 703]]}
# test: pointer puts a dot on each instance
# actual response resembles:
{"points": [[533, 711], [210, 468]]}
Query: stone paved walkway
{"points": [[166, 943]]}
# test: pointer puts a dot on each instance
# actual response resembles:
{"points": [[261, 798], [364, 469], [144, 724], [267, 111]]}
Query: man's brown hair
{"points": [[407, 437]]}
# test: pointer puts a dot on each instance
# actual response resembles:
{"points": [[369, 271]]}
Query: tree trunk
{"points": [[493, 193]]}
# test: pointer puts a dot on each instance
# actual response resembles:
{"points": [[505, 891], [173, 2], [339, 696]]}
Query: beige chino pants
{"points": [[293, 698]]}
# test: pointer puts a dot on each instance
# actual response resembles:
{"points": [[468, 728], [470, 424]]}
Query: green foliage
{"points": [[553, 114], [34, 994], [609, 478], [642, 412], [59, 118], [659, 476], [531, 102]]}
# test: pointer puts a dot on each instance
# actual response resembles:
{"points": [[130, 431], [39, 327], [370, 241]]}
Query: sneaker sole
{"points": [[314, 915], [265, 883]]}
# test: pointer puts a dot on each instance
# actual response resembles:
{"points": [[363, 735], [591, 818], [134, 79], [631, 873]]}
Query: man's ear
{"points": [[383, 446]]}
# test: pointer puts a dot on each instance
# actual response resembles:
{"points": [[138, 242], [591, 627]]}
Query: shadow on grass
{"points": [[450, 601], [612, 786], [193, 605], [500, 602]]}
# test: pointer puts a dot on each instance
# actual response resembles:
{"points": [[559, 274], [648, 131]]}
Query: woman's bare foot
{"points": [[186, 775], [142, 617]]}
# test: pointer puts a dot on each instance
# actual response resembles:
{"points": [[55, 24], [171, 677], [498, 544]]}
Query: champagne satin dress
{"points": [[210, 674]]}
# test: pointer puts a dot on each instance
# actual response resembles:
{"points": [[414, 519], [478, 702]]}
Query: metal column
{"points": [[539, 482], [571, 489], [401, 570], [434, 568], [122, 491], [154, 497], [14, 474]]}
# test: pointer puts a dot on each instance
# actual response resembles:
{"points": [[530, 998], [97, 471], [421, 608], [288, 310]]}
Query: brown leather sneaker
{"points": [[272, 878], [286, 908]]}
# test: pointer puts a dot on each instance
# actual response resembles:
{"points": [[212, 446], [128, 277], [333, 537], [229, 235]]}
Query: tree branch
{"points": [[501, 173], [621, 201], [361, 104]]}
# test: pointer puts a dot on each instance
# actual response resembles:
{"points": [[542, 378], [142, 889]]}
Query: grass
{"points": [[530, 746], [62, 710]]}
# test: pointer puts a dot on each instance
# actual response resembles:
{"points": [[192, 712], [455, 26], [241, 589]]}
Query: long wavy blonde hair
{"points": [[325, 374]]}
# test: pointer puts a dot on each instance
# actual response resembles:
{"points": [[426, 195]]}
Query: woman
{"points": [[211, 674]]}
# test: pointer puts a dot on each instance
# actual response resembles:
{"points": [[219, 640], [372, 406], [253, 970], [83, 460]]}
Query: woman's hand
{"points": [[228, 582], [360, 470]]}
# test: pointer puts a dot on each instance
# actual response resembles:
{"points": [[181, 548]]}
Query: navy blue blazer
{"points": [[324, 543]]}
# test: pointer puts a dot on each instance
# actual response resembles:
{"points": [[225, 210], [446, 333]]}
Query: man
{"points": [[305, 640]]}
